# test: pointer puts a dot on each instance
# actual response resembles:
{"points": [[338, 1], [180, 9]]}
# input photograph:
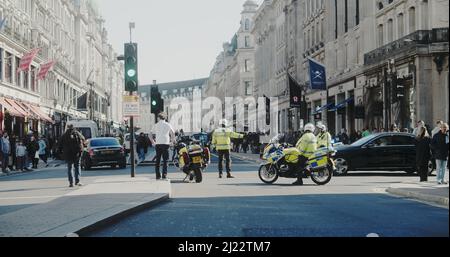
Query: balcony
{"points": [[409, 42]]}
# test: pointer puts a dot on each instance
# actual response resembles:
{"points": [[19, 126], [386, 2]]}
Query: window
{"points": [[400, 25], [403, 140], [383, 141], [380, 35], [248, 88], [357, 13], [346, 16], [247, 65], [390, 32], [412, 19], [1, 62], [17, 73], [247, 24], [247, 41]]}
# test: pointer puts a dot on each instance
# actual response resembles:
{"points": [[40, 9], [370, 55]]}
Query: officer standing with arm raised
{"points": [[221, 139], [307, 145]]}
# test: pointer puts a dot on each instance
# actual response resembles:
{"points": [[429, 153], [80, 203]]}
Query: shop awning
{"points": [[19, 108], [41, 114], [323, 108], [343, 104], [11, 109]]}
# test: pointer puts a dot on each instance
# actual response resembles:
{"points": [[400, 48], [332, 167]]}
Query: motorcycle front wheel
{"points": [[268, 174], [322, 176]]}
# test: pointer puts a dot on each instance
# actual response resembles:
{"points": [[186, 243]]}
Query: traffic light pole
{"points": [[133, 157]]}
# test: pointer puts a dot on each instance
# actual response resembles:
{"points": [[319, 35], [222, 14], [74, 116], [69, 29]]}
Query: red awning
{"points": [[11, 109], [40, 113], [18, 107]]}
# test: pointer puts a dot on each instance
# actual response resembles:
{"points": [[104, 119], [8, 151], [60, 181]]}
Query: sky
{"points": [[177, 39]]}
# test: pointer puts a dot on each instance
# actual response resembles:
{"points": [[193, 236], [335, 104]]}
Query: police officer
{"points": [[222, 140], [307, 145], [323, 136]]}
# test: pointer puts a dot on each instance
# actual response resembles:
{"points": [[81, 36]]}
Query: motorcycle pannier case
{"points": [[319, 159], [291, 155]]}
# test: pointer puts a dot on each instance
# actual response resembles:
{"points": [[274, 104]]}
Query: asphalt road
{"points": [[352, 206]]}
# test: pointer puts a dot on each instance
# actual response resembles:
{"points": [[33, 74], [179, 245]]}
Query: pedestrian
{"points": [[72, 142], [43, 150], [222, 140], [437, 128], [423, 153], [439, 144], [394, 128], [12, 158], [5, 151], [165, 135], [343, 137], [21, 155], [366, 132], [32, 150], [419, 124], [141, 146]]}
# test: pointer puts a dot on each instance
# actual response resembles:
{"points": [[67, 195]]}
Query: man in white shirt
{"points": [[165, 135]]}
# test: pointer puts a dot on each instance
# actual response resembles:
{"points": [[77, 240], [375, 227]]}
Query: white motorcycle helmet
{"points": [[223, 122], [322, 127], [309, 127]]}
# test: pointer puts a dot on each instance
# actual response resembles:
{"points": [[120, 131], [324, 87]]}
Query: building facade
{"points": [[72, 34]]}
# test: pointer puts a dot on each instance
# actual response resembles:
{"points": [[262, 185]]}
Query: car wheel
{"points": [[342, 167]]}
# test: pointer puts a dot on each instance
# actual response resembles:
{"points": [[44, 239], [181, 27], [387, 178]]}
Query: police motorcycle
{"points": [[193, 159], [279, 157]]}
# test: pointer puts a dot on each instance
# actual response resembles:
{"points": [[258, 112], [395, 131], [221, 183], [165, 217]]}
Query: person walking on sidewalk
{"points": [[439, 144], [73, 143], [142, 146], [21, 155], [43, 150], [5, 151], [32, 150], [222, 141], [423, 153], [165, 135]]}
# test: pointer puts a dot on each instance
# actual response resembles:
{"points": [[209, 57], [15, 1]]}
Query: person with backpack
{"points": [[73, 143]]}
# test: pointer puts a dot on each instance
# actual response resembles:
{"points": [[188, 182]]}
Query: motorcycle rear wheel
{"points": [[268, 174], [322, 176]]}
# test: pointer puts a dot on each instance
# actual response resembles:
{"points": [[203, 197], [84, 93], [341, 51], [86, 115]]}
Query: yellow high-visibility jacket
{"points": [[324, 140], [307, 145], [222, 138]]}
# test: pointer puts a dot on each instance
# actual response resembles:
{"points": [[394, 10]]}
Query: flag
{"points": [[44, 70], [27, 59], [2, 23], [82, 102], [317, 75], [295, 93]]}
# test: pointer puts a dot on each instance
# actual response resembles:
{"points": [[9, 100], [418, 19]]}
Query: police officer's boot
{"points": [[299, 181], [229, 175], [220, 174]]}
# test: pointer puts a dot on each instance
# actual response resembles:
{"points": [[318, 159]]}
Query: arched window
{"points": [[390, 30], [400, 25], [412, 19], [247, 24], [380, 35]]}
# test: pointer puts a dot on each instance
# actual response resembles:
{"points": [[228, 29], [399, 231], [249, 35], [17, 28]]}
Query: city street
{"points": [[349, 206]]}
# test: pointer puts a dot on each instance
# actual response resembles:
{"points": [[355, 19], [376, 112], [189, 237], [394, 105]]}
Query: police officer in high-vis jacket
{"points": [[323, 136], [307, 145], [221, 139]]}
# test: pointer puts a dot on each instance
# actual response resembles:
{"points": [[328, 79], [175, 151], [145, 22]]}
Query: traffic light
{"points": [[399, 89], [156, 101], [131, 67]]}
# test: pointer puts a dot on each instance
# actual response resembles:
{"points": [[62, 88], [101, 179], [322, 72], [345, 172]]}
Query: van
{"points": [[88, 128]]}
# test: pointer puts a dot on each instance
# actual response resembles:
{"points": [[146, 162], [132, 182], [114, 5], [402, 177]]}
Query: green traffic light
{"points": [[154, 103]]}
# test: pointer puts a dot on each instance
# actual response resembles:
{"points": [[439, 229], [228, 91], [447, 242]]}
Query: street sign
{"points": [[131, 106]]}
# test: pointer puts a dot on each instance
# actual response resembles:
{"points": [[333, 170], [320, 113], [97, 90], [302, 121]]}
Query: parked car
{"points": [[105, 151], [384, 151]]}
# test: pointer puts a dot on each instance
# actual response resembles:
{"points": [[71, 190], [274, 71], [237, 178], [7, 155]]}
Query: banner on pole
{"points": [[317, 75], [131, 106], [45, 68], [27, 59]]}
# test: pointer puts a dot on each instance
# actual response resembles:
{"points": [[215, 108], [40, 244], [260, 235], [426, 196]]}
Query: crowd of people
{"points": [[23, 154]]}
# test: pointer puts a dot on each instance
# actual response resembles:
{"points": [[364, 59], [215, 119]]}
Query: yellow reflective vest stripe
{"points": [[307, 145], [222, 138]]}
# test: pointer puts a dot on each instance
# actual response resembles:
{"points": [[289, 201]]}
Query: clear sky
{"points": [[178, 39]]}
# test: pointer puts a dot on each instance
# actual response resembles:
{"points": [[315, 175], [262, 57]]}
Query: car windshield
{"points": [[86, 132], [104, 142], [364, 140]]}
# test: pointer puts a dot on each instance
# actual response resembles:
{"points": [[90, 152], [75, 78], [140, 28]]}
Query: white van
{"points": [[88, 128]]}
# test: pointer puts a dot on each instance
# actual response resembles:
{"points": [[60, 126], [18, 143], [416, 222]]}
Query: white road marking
{"points": [[30, 197]]}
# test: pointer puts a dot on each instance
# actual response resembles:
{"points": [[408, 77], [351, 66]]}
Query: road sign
{"points": [[130, 106]]}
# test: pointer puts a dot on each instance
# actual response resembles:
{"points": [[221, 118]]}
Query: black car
{"points": [[105, 151], [384, 151]]}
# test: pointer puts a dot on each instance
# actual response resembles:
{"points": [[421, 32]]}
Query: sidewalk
{"points": [[41, 166], [85, 209], [428, 192]]}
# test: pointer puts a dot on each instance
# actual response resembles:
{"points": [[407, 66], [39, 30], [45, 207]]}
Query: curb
{"points": [[443, 201], [117, 217]]}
